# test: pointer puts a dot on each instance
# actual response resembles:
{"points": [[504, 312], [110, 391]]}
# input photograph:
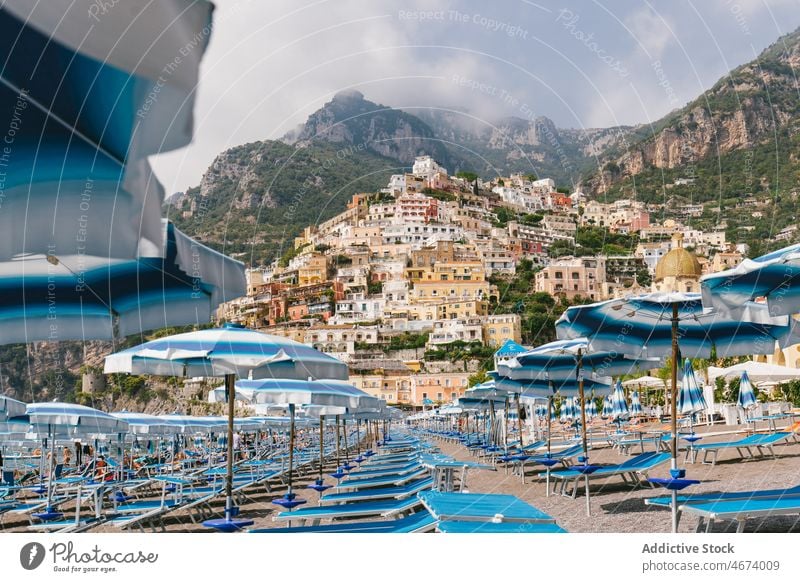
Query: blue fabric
{"points": [[747, 396], [641, 325], [690, 396]]}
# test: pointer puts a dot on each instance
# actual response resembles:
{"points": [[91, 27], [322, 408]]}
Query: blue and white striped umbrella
{"points": [[591, 408], [619, 406], [231, 349], [87, 97], [303, 392], [10, 407], [543, 388], [608, 406], [690, 396], [747, 396], [773, 276], [558, 361], [540, 409], [636, 404], [100, 298], [642, 326], [569, 409]]}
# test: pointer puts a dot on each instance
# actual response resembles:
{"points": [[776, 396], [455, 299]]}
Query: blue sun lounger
{"points": [[419, 522], [632, 471], [383, 508], [374, 494], [506, 527], [380, 481], [481, 507], [398, 469], [740, 511], [759, 442]]}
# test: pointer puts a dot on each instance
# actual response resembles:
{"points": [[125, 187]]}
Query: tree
{"points": [[643, 278], [478, 377], [467, 175]]}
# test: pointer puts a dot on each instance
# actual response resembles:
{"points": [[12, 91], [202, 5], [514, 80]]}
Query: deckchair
{"points": [[505, 527], [741, 510], [418, 522], [382, 508], [632, 471], [759, 442], [481, 507], [374, 494]]}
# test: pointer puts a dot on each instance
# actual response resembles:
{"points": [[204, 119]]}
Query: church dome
{"points": [[678, 263]]}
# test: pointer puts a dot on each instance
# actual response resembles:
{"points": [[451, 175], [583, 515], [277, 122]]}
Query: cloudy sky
{"points": [[583, 63]]}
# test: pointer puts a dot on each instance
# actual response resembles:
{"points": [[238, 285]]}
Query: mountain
{"points": [[457, 139], [350, 120], [255, 198], [738, 138]]}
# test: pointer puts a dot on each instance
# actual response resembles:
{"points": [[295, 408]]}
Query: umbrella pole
{"points": [[230, 389], [337, 442], [346, 449], [549, 423], [321, 440], [584, 442], [674, 411], [505, 426], [291, 450], [358, 438], [519, 420]]}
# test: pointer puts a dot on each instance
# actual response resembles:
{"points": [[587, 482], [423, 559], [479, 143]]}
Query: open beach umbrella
{"points": [[690, 397], [653, 325], [51, 420], [636, 404], [337, 397], [772, 278], [573, 358], [99, 298], [231, 351], [747, 396], [86, 97]]}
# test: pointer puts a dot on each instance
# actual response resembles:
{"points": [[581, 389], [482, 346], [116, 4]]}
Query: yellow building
{"points": [[499, 328], [450, 281], [314, 271]]}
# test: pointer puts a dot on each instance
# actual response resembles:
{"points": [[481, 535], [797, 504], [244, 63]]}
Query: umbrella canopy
{"points": [[187, 424], [757, 372], [72, 418], [772, 277], [642, 325], [558, 360], [231, 349], [690, 397], [88, 98], [747, 396], [101, 298], [140, 423], [10, 407], [510, 348], [636, 404], [644, 382], [543, 388], [304, 392]]}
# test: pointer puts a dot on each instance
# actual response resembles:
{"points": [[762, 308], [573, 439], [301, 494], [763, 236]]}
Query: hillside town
{"points": [[403, 284]]}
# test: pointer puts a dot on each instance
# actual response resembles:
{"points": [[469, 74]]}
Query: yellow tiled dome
{"points": [[678, 263]]}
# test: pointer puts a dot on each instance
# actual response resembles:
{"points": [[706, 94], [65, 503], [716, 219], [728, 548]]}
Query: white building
{"points": [[426, 167]]}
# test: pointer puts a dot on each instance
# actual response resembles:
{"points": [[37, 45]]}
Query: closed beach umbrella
{"points": [[747, 396], [636, 404], [608, 406], [690, 397], [591, 408]]}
